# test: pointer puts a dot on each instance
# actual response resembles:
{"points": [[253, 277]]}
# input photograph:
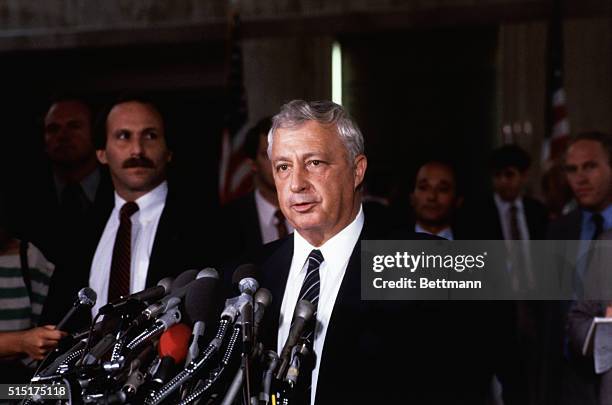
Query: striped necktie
{"points": [[310, 292], [121, 262]]}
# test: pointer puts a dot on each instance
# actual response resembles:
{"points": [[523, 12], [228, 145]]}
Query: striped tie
{"points": [[119, 283], [310, 291]]}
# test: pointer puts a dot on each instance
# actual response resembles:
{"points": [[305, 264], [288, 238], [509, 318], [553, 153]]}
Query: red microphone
{"points": [[174, 342], [172, 349]]}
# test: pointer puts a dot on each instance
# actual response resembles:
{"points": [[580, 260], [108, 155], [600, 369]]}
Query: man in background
{"points": [[255, 219]]}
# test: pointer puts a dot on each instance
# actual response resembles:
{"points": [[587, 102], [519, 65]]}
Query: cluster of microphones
{"points": [[177, 343]]}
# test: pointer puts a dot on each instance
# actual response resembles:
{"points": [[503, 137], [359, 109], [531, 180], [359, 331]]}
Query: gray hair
{"points": [[297, 112]]}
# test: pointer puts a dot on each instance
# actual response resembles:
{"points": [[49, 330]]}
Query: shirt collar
{"points": [[265, 210], [446, 233], [337, 250], [606, 214], [148, 204], [504, 206], [89, 184]]}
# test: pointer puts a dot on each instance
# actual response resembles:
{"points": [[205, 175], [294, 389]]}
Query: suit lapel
{"points": [[166, 237], [276, 278], [251, 219]]}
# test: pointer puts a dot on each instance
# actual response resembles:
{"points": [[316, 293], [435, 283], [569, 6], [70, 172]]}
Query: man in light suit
{"points": [[598, 290], [255, 219], [588, 167]]}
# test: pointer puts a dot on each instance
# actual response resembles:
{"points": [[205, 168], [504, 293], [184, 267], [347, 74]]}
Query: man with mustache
{"points": [[150, 233]]}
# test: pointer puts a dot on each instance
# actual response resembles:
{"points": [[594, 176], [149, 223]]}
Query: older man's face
{"points": [[316, 184], [68, 139]]}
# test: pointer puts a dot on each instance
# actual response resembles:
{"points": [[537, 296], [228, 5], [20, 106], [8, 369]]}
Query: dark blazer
{"points": [[241, 228], [568, 227], [394, 351], [180, 244], [481, 220], [40, 219]]}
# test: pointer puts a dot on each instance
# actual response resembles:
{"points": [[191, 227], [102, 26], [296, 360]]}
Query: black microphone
{"points": [[177, 292], [85, 297], [271, 359], [262, 298], [302, 315], [153, 293], [201, 305]]}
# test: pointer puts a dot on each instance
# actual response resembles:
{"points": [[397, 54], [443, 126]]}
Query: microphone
{"points": [[271, 359], [85, 297], [262, 298], [135, 376], [153, 293], [177, 292], [244, 276], [174, 342], [201, 305], [172, 350], [302, 315]]}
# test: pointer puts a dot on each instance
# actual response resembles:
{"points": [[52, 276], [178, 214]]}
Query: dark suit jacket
{"points": [[481, 220], [182, 242], [241, 229], [40, 219], [394, 351], [568, 227]]}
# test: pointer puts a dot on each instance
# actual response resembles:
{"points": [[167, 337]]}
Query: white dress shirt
{"points": [[267, 219], [336, 254], [144, 228], [503, 210]]}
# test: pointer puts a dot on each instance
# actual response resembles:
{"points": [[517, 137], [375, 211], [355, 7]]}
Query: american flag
{"points": [[234, 171], [558, 127]]}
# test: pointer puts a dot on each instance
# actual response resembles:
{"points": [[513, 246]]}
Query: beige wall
{"points": [[588, 76], [280, 70]]}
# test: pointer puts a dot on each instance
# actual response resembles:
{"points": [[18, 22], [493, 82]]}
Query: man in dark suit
{"points": [[59, 204], [366, 351], [508, 213], [255, 219], [435, 200], [318, 176], [149, 234]]}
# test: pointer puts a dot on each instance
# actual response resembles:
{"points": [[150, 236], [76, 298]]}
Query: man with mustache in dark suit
{"points": [[150, 233]]}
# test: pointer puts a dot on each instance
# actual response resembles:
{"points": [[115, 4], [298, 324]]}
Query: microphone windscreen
{"points": [[87, 296], [247, 270], [303, 309], [208, 272], [202, 301], [263, 297], [183, 279], [167, 284], [175, 342]]}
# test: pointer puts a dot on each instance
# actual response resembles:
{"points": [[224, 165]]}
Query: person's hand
{"points": [[609, 311], [37, 342]]}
